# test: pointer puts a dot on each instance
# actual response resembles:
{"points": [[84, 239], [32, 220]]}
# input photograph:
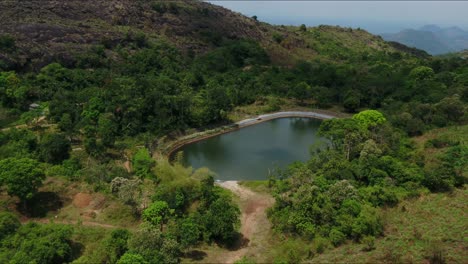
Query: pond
{"points": [[249, 153]]}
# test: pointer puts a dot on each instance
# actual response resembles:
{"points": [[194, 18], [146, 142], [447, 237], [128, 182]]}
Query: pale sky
{"points": [[375, 16]]}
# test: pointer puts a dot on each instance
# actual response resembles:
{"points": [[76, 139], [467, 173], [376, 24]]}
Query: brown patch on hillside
{"points": [[82, 200]]}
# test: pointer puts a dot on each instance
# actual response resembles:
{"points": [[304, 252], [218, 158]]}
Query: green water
{"points": [[249, 153]]}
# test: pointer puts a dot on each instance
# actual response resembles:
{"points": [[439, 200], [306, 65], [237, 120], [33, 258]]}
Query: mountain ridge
{"points": [[47, 31], [432, 38]]}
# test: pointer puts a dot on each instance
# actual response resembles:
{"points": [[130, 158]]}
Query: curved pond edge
{"points": [[192, 138]]}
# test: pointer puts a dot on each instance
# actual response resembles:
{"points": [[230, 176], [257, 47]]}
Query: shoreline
{"points": [[189, 139]]}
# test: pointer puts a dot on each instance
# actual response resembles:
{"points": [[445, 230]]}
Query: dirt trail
{"points": [[255, 226], [69, 222]]}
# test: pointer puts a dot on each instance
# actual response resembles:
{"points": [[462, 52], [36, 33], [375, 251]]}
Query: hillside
{"points": [[431, 38], [424, 230], [45, 31]]}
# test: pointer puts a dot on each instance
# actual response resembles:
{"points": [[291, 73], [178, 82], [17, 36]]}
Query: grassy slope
{"points": [[415, 227], [412, 230]]}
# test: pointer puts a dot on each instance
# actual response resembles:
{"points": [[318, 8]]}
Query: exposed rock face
{"points": [[48, 30], [61, 30]]}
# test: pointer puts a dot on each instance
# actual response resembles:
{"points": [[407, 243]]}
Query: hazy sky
{"points": [[375, 16]]}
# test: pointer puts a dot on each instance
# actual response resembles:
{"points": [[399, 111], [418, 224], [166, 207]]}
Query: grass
{"points": [[257, 186], [454, 133], [415, 231], [88, 244], [446, 135]]}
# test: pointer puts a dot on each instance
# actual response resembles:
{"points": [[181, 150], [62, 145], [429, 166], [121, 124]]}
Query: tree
{"points": [[255, 18], [451, 108], [38, 243], [222, 219], [66, 123], [189, 233], [421, 73], [54, 148], [345, 134], [370, 118], [150, 243], [131, 258], [301, 91], [303, 28], [22, 177], [92, 147], [128, 191], [352, 102], [143, 163], [116, 244], [107, 130], [157, 214], [12, 92]]}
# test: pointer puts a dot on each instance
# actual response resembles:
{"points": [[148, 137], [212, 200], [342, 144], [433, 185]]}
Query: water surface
{"points": [[249, 153]]}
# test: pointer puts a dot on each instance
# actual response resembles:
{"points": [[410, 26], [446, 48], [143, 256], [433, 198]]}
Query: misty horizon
{"points": [[376, 17]]}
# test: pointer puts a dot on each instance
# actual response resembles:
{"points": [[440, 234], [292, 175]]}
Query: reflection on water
{"points": [[249, 153]]}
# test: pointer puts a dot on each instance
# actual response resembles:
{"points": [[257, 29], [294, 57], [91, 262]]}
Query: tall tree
{"points": [[22, 177]]}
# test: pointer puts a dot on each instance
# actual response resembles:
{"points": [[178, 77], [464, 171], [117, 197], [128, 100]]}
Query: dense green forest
{"points": [[80, 122]]}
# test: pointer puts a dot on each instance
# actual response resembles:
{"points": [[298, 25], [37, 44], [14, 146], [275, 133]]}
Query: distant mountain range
{"points": [[432, 38]]}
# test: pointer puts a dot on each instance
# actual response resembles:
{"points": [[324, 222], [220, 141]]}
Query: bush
{"points": [[441, 142], [130, 258], [9, 223], [336, 237], [369, 243], [368, 222], [143, 163], [320, 244], [278, 38]]}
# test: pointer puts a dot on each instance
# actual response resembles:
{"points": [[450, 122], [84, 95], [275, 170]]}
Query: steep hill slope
{"points": [[38, 32]]}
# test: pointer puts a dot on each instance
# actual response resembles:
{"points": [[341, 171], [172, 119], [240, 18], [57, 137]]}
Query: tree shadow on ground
{"points": [[77, 250], [41, 204], [195, 255], [237, 242]]}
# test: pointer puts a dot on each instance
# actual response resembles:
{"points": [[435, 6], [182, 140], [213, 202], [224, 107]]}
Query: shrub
{"points": [[143, 163], [369, 243], [9, 223], [336, 237], [278, 38], [320, 244], [130, 258], [368, 222]]}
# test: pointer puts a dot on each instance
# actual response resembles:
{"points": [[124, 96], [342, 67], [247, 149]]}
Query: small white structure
{"points": [[34, 106]]}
